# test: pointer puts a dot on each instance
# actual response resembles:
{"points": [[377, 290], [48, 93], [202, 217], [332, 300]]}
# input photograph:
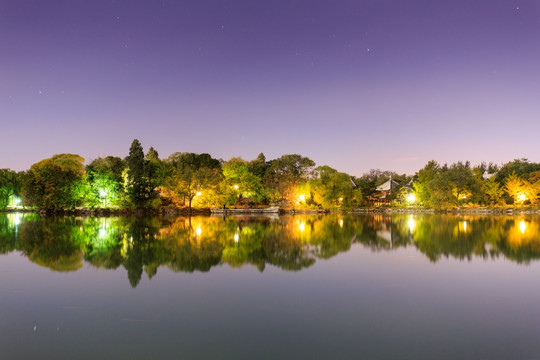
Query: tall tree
{"points": [[140, 187], [423, 182], [492, 190], [259, 166]]}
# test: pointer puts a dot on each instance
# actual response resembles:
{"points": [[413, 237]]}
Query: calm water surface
{"points": [[318, 287]]}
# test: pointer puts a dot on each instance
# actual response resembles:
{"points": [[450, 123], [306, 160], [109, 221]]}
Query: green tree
{"points": [[240, 183], [423, 182], [141, 188], [10, 185], [51, 183], [492, 190], [285, 174], [521, 167], [333, 189], [104, 185], [520, 189], [259, 166], [193, 175], [462, 180]]}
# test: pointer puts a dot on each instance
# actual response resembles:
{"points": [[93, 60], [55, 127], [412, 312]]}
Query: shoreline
{"points": [[169, 211]]}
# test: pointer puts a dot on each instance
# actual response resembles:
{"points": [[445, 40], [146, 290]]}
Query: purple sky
{"points": [[351, 84]]}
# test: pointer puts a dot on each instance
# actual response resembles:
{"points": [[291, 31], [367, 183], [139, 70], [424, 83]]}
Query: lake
{"points": [[291, 287]]}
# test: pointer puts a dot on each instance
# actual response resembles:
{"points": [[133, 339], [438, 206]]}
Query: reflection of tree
{"points": [[142, 245], [54, 246]]}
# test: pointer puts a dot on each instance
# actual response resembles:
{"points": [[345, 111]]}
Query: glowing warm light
{"points": [[16, 219], [464, 226], [463, 196], [198, 193], [522, 197], [411, 223], [411, 198], [302, 227], [522, 226], [340, 223], [340, 199], [236, 237], [235, 186], [198, 231], [302, 197]]}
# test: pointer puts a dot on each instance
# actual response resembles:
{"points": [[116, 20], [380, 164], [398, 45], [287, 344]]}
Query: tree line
{"points": [[146, 181]]}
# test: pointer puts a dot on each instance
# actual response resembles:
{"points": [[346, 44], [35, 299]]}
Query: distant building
{"points": [[387, 188]]}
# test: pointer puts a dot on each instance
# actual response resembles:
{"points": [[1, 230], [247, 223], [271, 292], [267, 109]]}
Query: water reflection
{"points": [[142, 245]]}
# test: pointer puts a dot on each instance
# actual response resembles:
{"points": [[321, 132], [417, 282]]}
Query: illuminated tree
{"points": [[50, 183], [492, 190], [10, 185], [193, 175], [462, 180], [334, 189], [103, 186], [240, 183], [140, 186], [521, 190], [423, 182], [521, 167], [285, 174]]}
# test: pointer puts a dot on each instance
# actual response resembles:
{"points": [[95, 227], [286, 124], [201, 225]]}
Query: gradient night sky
{"points": [[351, 84]]}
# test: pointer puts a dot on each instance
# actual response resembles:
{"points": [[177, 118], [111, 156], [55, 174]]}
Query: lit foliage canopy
{"points": [[192, 175], [50, 184]]}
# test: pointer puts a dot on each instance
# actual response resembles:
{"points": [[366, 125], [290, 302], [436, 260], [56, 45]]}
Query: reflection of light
{"points": [[102, 232], [198, 193], [16, 219], [522, 226], [198, 231], [302, 227], [340, 223], [236, 237], [411, 223], [411, 198], [464, 226], [522, 197], [302, 197], [235, 187]]}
